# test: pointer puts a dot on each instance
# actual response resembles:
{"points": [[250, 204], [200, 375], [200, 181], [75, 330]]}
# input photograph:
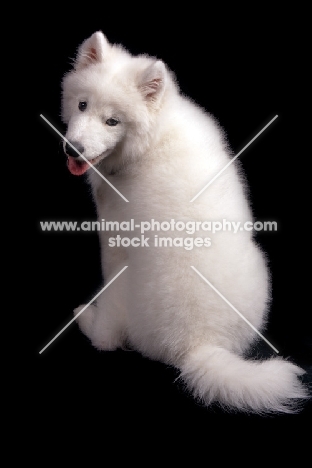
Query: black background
{"points": [[244, 67]]}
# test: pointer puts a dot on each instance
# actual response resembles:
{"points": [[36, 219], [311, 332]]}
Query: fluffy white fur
{"points": [[163, 150]]}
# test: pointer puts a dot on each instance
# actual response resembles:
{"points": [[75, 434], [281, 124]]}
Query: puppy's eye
{"points": [[82, 106], [112, 122]]}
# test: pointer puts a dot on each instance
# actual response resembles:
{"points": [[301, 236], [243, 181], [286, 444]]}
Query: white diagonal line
{"points": [[241, 315], [83, 309], [232, 160], [91, 165]]}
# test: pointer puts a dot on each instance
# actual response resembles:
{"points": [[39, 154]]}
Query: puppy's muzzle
{"points": [[70, 151]]}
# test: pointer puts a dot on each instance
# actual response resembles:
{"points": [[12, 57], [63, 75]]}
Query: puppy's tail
{"points": [[214, 374]]}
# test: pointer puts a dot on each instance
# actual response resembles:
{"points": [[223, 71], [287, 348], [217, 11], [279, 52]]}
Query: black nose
{"points": [[70, 151]]}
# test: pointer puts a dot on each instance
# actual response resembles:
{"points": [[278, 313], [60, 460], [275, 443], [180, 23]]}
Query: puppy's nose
{"points": [[70, 151]]}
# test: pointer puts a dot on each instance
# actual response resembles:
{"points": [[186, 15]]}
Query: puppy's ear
{"points": [[153, 81], [92, 50]]}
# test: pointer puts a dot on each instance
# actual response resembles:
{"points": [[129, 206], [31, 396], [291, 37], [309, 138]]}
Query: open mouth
{"points": [[78, 167]]}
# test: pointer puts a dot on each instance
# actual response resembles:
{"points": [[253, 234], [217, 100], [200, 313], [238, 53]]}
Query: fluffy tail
{"points": [[214, 374]]}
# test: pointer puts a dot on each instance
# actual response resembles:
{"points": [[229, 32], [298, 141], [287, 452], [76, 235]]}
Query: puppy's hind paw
{"points": [[84, 318]]}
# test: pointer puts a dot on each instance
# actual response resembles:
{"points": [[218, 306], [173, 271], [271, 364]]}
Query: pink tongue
{"points": [[77, 167]]}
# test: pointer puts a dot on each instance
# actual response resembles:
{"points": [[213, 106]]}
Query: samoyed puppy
{"points": [[174, 286]]}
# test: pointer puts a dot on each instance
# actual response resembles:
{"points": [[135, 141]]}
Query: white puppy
{"points": [[156, 149]]}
